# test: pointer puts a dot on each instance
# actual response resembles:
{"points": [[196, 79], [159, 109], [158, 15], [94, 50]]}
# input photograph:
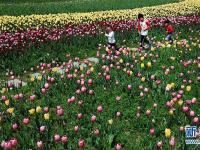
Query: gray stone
{"points": [[76, 65], [61, 71], [35, 75], [17, 83], [83, 65], [93, 59]]}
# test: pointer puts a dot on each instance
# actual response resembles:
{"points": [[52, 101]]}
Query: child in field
{"points": [[111, 38], [143, 27], [169, 29]]}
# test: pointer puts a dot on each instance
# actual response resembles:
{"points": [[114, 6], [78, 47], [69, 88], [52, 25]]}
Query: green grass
{"points": [[24, 7]]}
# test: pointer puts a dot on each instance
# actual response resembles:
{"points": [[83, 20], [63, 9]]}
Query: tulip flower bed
{"points": [[129, 99], [23, 39], [13, 23]]}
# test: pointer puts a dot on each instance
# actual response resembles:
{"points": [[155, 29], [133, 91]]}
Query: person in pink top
{"points": [[143, 28]]}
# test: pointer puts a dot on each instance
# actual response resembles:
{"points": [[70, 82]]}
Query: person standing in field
{"points": [[111, 38], [169, 29], [143, 28]]}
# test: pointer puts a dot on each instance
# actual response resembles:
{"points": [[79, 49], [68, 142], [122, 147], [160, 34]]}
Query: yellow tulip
{"points": [[188, 88], [142, 58], [55, 69], [149, 64], [10, 110], [110, 121], [142, 65], [172, 85], [121, 61], [198, 65], [46, 116], [81, 68], [167, 132], [171, 112], [7, 102], [180, 102], [32, 79], [38, 109], [92, 69], [31, 111], [39, 78], [143, 79]]}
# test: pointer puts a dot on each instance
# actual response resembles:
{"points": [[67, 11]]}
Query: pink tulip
{"points": [[172, 142], [141, 94], [80, 116], [196, 120], [148, 113], [118, 98], [118, 147], [155, 105], [76, 129], [14, 126], [90, 82], [40, 145], [81, 143], [96, 132], [91, 92], [107, 77], [118, 114], [46, 109], [32, 97], [8, 145], [56, 138], [80, 103], [42, 129], [46, 85], [43, 90], [194, 100], [129, 87], [159, 144], [20, 95], [152, 131], [192, 113], [93, 118], [64, 139], [185, 109], [100, 108], [59, 112], [3, 97], [14, 142], [26, 121]]}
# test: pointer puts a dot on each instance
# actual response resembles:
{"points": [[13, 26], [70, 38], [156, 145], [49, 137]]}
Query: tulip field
{"points": [[61, 87]]}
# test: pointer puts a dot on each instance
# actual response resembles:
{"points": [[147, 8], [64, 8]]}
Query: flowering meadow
{"points": [[61, 87]]}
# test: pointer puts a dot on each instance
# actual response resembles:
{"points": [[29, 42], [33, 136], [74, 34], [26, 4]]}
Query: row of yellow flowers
{"points": [[185, 7]]}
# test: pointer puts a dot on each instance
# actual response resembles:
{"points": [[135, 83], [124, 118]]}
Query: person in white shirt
{"points": [[111, 38], [143, 27]]}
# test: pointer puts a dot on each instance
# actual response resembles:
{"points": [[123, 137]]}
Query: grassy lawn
{"points": [[24, 7]]}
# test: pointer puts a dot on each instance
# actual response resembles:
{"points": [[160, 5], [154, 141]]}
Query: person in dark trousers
{"points": [[169, 29], [111, 38], [143, 28]]}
